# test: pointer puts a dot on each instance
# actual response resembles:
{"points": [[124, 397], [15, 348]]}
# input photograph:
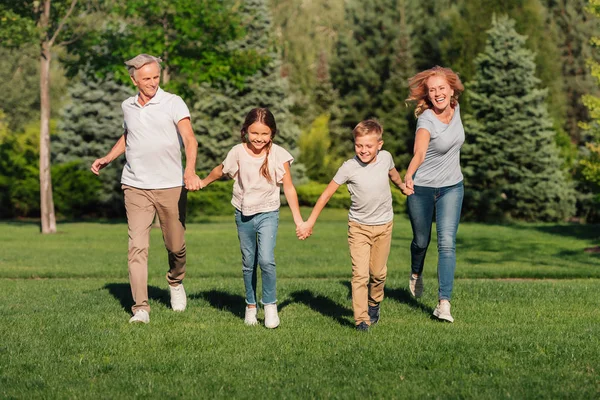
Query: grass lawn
{"points": [[525, 304]]}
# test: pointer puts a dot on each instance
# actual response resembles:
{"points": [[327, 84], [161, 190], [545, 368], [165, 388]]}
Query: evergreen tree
{"points": [[372, 60], [90, 125], [512, 166], [220, 110]]}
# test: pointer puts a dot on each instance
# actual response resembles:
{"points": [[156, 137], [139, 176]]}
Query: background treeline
{"points": [[530, 108]]}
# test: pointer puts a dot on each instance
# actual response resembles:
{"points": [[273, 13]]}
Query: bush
{"points": [[213, 200], [76, 191], [309, 193]]}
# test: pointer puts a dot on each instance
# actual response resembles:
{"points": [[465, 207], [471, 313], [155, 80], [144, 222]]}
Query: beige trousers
{"points": [[369, 251], [141, 206]]}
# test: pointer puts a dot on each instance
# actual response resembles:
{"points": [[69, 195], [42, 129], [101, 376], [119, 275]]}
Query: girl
{"points": [[259, 167], [435, 176]]}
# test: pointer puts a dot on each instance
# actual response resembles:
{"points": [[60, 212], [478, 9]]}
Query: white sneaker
{"points": [[140, 316], [250, 317], [416, 285], [442, 311], [178, 299], [271, 317]]}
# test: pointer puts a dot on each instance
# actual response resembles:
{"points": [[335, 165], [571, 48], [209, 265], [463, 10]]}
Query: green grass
{"points": [[65, 299]]}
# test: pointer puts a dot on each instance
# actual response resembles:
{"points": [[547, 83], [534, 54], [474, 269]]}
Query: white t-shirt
{"points": [[252, 192], [153, 147], [369, 187]]}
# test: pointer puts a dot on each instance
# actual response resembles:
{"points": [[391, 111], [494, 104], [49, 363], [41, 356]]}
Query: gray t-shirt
{"points": [[441, 166], [369, 187], [153, 148]]}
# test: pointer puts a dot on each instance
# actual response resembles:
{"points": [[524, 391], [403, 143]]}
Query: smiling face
{"points": [[259, 137], [147, 79], [367, 146], [439, 92]]}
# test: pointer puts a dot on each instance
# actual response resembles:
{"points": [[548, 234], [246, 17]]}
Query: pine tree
{"points": [[220, 109], [90, 125], [372, 60], [512, 166]]}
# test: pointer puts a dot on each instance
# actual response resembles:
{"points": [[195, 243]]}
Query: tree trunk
{"points": [[48, 219]]}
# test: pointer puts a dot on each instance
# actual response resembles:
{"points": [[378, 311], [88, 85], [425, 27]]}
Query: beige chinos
{"points": [[369, 251], [141, 206]]}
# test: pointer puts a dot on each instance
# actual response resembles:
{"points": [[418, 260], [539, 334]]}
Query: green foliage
{"points": [[589, 165], [574, 27], [20, 85], [220, 109], [19, 174], [307, 33], [191, 37], [309, 193], [213, 200], [91, 122], [315, 154], [76, 190], [512, 166], [373, 58]]}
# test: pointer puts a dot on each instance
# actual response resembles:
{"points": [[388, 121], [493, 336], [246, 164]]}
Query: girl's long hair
{"points": [[419, 90], [265, 117]]}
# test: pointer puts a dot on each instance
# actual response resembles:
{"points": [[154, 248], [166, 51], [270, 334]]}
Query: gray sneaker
{"points": [[442, 311], [178, 299], [416, 285], [250, 316], [140, 316], [271, 317]]}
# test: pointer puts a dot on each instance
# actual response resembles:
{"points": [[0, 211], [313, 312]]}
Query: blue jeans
{"points": [[447, 202], [257, 234]]}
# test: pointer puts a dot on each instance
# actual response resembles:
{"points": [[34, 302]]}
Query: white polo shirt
{"points": [[153, 147]]}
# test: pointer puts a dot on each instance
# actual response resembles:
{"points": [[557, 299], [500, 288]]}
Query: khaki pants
{"points": [[369, 251], [141, 205]]}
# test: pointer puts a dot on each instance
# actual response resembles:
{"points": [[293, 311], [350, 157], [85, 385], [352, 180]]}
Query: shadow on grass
{"points": [[402, 295], [320, 304], [122, 292], [233, 303]]}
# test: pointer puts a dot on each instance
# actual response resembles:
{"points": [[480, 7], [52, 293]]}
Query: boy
{"points": [[370, 218]]}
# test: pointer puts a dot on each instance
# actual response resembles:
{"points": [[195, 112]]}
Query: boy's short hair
{"points": [[368, 127]]}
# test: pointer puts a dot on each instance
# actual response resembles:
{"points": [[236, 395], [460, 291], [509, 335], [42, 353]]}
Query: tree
{"points": [[574, 28], [43, 22], [512, 165], [89, 126], [221, 107], [191, 37], [590, 163], [373, 58]]}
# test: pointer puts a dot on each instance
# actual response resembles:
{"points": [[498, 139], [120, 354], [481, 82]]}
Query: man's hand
{"points": [[192, 181], [98, 164]]}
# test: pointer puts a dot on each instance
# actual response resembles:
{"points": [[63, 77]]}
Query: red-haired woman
{"points": [[435, 176]]}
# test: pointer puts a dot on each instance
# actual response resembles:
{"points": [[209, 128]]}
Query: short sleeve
{"points": [[390, 161], [281, 156], [341, 176], [231, 165], [179, 110], [424, 121]]}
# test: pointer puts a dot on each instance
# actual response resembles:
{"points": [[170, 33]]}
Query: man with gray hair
{"points": [[156, 124]]}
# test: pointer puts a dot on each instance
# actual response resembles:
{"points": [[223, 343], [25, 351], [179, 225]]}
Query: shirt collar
{"points": [[154, 100]]}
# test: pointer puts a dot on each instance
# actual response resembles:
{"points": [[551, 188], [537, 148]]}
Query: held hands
{"points": [[404, 188], [192, 181], [409, 187], [304, 230]]}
